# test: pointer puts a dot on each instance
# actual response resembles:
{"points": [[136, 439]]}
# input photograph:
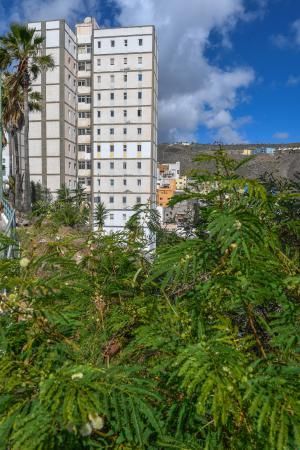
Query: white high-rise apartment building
{"points": [[53, 131], [114, 79]]}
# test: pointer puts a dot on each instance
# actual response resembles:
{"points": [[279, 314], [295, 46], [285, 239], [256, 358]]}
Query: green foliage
{"points": [[70, 208], [100, 215], [195, 347]]}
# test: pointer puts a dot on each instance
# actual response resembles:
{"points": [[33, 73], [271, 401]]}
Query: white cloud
{"points": [[296, 31], [193, 92], [293, 80], [281, 135], [30, 10], [290, 39]]}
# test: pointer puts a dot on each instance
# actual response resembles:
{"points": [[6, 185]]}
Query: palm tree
{"points": [[13, 122], [20, 52], [100, 215]]}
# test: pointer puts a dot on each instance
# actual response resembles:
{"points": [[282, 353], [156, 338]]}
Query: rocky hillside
{"points": [[284, 163]]}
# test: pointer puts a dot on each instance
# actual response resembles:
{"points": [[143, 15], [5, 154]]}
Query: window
{"points": [[99, 78], [81, 165], [125, 42], [125, 112], [89, 181], [124, 182], [98, 131], [84, 114], [112, 78], [140, 95], [99, 44], [124, 216], [124, 165], [112, 96], [124, 199], [84, 48], [139, 113], [98, 181], [84, 65], [112, 113], [124, 148], [84, 99], [111, 199], [139, 131], [140, 42], [112, 43], [125, 95], [83, 131], [124, 130], [98, 148], [98, 113], [99, 96], [112, 165], [125, 78], [125, 60], [139, 182], [81, 148], [112, 148], [140, 60], [88, 148], [139, 148], [138, 200], [81, 181], [139, 165], [112, 182], [97, 199], [88, 164], [140, 77], [84, 82], [111, 131], [98, 166], [98, 62], [111, 216], [112, 61]]}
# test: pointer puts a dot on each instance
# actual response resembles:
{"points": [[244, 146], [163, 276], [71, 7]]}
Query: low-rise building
{"points": [[165, 193], [167, 172], [181, 183]]}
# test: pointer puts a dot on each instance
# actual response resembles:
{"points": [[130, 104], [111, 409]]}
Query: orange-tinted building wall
{"points": [[165, 193]]}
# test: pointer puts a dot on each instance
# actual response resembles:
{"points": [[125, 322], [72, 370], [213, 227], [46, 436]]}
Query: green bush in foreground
{"points": [[196, 348]]}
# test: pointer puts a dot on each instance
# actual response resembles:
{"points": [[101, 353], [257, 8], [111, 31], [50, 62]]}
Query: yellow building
{"points": [[247, 152], [164, 194], [181, 183]]}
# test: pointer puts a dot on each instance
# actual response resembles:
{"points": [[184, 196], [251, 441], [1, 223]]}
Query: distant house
{"points": [[264, 150], [247, 152], [164, 194]]}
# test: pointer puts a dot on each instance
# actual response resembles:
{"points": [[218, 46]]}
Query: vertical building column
{"points": [[62, 101], [92, 129], [43, 111]]}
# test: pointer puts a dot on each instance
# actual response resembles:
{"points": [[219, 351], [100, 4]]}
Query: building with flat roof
{"points": [[53, 130], [98, 123]]}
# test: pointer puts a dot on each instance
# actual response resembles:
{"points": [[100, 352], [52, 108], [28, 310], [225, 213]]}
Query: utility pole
{"points": [[1, 131]]}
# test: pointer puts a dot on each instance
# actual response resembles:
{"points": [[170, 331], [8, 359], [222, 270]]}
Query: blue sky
{"points": [[229, 69]]}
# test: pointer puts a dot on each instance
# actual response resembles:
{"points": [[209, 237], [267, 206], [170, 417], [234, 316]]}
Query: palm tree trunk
{"points": [[12, 165], [11, 154], [27, 193], [18, 181]]}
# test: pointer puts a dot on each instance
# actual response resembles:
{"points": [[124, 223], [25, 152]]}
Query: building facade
{"points": [[98, 123], [53, 130], [117, 110]]}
